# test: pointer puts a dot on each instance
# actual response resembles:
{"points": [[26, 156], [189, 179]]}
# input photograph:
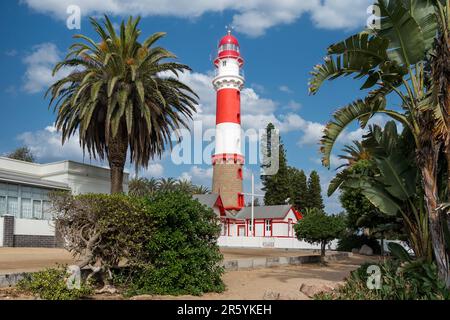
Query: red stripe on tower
{"points": [[228, 106]]}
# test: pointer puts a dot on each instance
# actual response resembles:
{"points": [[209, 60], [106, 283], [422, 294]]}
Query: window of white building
{"points": [[24, 201], [2, 205], [13, 206], [27, 210]]}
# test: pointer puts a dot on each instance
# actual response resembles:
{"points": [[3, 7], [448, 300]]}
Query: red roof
{"points": [[228, 39]]}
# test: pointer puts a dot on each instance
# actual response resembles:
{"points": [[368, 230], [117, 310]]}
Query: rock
{"points": [[355, 251], [270, 295], [311, 291], [366, 250]]}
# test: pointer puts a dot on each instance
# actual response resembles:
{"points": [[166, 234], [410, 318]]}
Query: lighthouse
{"points": [[228, 159]]}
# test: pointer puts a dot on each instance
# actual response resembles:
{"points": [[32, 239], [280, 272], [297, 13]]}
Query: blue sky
{"points": [[281, 41]]}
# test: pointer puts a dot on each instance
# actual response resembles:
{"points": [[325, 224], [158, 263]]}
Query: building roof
{"points": [[208, 200], [264, 212], [32, 180]]}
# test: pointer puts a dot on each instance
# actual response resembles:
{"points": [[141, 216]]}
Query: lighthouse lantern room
{"points": [[228, 160]]}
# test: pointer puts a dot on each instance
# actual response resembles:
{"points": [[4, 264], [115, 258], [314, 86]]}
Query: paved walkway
{"points": [[16, 260]]}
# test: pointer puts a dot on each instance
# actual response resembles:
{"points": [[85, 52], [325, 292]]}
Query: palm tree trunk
{"points": [[117, 155], [447, 157], [435, 216]]}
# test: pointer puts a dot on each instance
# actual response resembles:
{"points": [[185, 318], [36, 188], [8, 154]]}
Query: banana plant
{"points": [[392, 61], [391, 186]]}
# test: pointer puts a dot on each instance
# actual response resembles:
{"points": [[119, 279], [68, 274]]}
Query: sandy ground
{"points": [[257, 284], [281, 282], [15, 260]]}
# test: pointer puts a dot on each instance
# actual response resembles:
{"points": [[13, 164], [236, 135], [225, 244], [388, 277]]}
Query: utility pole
{"points": [[253, 195]]}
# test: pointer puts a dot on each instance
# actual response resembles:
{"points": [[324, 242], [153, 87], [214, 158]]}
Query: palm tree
{"points": [[184, 186], [200, 190], [393, 61], [167, 184], [122, 95], [142, 186]]}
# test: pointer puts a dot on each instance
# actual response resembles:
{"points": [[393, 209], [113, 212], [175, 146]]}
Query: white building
{"points": [[25, 220], [274, 226]]}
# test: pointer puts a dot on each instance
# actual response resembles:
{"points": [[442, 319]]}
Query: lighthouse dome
{"points": [[229, 48], [229, 39]]}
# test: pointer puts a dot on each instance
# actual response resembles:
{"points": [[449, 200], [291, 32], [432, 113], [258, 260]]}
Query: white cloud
{"points": [[198, 175], [259, 88], [39, 65], [313, 131], [285, 89], [46, 145], [251, 17], [293, 105], [256, 111], [153, 170], [341, 14], [11, 53]]}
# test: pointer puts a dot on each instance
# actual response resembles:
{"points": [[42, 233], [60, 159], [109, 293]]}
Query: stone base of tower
{"points": [[227, 182]]}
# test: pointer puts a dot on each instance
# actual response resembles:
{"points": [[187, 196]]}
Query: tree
{"points": [[200, 190], [122, 95], [147, 187], [167, 184], [440, 62], [393, 61], [22, 153], [142, 187], [391, 182], [101, 230], [184, 186], [317, 227], [299, 188], [276, 186], [314, 195]]}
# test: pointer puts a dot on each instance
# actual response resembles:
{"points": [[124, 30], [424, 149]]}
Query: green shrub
{"points": [[50, 284], [399, 281], [181, 256], [349, 242]]}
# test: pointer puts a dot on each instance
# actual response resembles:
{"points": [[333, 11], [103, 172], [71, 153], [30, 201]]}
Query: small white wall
{"points": [[34, 227], [1, 231], [264, 242]]}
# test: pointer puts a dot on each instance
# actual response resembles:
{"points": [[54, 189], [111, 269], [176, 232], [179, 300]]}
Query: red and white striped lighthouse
{"points": [[228, 159]]}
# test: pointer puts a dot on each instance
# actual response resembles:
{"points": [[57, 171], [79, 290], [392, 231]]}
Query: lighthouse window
{"points": [[224, 63], [229, 46], [240, 173], [240, 200]]}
